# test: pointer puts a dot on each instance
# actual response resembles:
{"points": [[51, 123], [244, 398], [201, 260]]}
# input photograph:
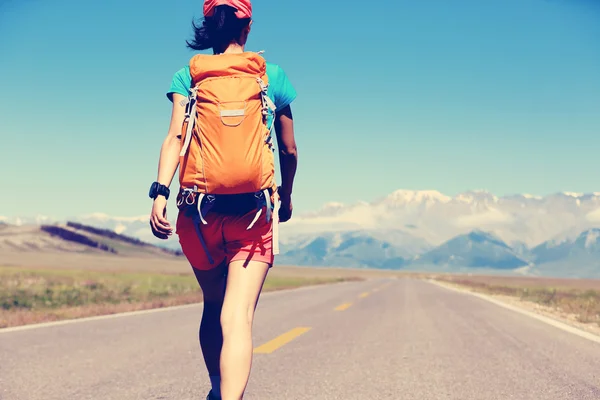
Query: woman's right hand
{"points": [[161, 228]]}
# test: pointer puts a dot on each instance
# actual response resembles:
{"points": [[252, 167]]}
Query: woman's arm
{"points": [[169, 152], [167, 166], [288, 159]]}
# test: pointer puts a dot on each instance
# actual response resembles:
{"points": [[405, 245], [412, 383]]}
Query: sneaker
{"points": [[211, 396]]}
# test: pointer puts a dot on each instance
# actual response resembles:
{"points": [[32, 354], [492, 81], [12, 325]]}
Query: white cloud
{"points": [[593, 216], [418, 196], [120, 228], [105, 217], [490, 217]]}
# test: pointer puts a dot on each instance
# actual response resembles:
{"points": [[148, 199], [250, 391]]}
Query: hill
{"points": [[74, 237]]}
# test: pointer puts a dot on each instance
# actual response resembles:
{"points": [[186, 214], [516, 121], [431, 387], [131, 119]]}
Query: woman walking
{"points": [[226, 106]]}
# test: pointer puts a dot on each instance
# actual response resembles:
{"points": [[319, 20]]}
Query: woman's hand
{"points": [[288, 160], [285, 208], [167, 165], [161, 228]]}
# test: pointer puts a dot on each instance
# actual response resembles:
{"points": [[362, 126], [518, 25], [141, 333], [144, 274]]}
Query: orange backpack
{"points": [[227, 146]]}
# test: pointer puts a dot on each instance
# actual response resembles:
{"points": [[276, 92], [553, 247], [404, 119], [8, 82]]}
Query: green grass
{"points": [[36, 295], [48, 289]]}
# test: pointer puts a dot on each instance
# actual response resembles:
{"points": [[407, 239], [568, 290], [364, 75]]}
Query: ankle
{"points": [[215, 382]]}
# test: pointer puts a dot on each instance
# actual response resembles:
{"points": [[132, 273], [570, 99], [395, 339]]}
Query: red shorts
{"points": [[226, 238]]}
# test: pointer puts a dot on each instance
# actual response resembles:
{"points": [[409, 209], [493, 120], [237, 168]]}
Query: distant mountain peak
{"points": [[417, 196], [590, 238], [479, 235], [573, 194], [477, 196], [476, 249]]}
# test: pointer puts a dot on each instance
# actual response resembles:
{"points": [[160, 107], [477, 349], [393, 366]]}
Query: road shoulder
{"points": [[531, 310]]}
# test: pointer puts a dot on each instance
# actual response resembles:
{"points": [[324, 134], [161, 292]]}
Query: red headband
{"points": [[243, 7]]}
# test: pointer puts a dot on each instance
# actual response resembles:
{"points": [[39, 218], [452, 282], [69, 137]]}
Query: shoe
{"points": [[211, 396]]}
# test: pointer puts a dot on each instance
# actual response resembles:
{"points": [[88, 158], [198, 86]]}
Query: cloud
{"points": [[593, 216], [491, 217]]}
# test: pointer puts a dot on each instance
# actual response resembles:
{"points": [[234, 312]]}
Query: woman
{"points": [[229, 260]]}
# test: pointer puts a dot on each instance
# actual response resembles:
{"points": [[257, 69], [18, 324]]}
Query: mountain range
{"points": [[557, 234]]}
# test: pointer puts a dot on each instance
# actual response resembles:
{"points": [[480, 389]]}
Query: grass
{"points": [[578, 298], [41, 295]]}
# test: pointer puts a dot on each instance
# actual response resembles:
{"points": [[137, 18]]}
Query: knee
{"points": [[212, 309], [237, 318], [213, 298]]}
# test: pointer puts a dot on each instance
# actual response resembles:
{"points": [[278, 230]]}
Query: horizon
{"points": [[499, 95], [142, 217]]}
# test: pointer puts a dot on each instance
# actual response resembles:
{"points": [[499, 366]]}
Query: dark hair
{"points": [[219, 31]]}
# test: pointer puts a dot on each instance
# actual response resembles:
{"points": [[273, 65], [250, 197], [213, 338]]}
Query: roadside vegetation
{"points": [[575, 297], [41, 295]]}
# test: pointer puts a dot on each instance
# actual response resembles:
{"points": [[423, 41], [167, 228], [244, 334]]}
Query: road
{"points": [[377, 339]]}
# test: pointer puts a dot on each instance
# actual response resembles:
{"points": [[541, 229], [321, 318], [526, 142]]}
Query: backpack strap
{"points": [[198, 219], [262, 198], [271, 215], [267, 105], [202, 207], [276, 224], [205, 203], [190, 115]]}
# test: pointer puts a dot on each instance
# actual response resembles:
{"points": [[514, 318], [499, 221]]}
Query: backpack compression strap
{"points": [[190, 115]]}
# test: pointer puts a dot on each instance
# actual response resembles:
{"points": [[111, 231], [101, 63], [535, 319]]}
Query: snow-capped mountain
{"points": [[436, 218], [376, 249], [417, 228], [476, 249], [586, 245]]}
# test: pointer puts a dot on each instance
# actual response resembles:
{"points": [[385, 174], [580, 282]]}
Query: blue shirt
{"points": [[280, 91]]}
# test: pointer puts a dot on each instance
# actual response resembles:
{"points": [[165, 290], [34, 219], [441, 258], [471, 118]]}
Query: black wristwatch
{"points": [[156, 189]]}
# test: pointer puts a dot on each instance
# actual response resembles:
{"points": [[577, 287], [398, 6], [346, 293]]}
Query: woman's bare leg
{"points": [[211, 337], [244, 284]]}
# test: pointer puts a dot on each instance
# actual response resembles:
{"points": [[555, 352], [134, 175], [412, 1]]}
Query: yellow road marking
{"points": [[280, 341], [343, 307], [363, 295]]}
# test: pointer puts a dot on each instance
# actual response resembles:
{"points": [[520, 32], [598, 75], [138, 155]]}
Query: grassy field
{"points": [[32, 295], [572, 297]]}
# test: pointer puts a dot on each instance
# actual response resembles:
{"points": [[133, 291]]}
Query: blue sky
{"points": [[502, 95]]}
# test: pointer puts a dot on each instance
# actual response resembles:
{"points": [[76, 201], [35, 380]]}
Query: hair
{"points": [[219, 31]]}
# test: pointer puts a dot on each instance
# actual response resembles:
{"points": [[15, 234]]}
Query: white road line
{"points": [[149, 311], [539, 317], [96, 318]]}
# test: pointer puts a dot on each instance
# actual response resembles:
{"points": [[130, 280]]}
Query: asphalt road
{"points": [[379, 339]]}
